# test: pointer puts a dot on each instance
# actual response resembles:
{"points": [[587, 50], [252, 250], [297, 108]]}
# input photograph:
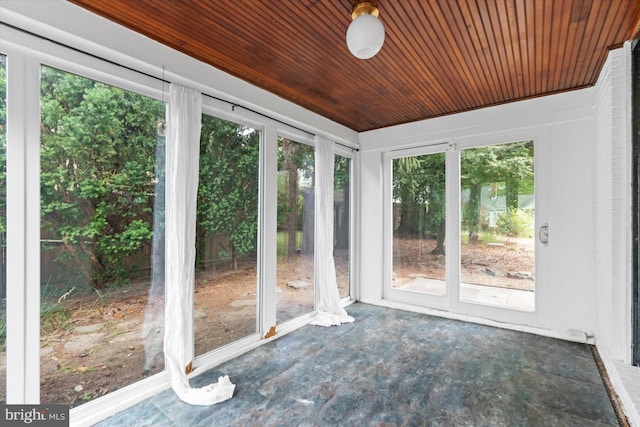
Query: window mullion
{"points": [[268, 223], [23, 255]]}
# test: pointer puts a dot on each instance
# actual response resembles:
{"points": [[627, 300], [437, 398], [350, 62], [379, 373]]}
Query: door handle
{"points": [[543, 234]]}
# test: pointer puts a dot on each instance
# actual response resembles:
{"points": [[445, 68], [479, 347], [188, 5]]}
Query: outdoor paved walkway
{"points": [[513, 299]]}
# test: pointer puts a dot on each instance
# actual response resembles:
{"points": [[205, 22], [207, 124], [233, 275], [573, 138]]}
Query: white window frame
{"points": [[222, 110], [25, 55]]}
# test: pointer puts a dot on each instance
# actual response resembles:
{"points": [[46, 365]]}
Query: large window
{"points": [[3, 230], [226, 234], [88, 224], [295, 241], [102, 244]]}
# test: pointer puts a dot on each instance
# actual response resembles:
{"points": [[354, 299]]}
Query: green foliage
{"points": [[341, 171], [511, 164], [281, 242], [419, 186], [53, 314], [228, 185], [516, 223], [98, 174], [419, 191], [293, 156]]}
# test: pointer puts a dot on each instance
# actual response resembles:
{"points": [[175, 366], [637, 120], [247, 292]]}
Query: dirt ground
{"points": [[100, 344], [509, 264]]}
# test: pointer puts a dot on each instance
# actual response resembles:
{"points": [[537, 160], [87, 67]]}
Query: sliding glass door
{"points": [[463, 228], [296, 219], [416, 227]]}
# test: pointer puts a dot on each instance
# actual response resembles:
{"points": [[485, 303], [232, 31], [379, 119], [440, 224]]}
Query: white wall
{"points": [[612, 228], [613, 206], [564, 125]]}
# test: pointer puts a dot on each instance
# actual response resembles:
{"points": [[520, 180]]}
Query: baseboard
{"points": [[479, 320]]}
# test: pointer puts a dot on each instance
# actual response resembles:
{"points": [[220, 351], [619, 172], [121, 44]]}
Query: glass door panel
{"points": [[418, 218], [497, 220], [295, 238]]}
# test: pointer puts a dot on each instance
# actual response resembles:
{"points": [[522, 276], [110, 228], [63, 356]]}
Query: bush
{"points": [[516, 223]]}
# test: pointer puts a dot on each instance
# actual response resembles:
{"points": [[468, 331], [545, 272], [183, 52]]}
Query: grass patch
{"points": [[283, 241]]}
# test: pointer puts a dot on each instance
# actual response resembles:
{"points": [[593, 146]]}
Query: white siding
{"points": [[612, 207], [612, 228]]}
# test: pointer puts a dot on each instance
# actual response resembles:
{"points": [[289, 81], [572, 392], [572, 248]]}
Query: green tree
{"points": [[291, 161], [407, 176], [419, 191], [515, 168], [98, 147], [228, 186], [478, 166], [341, 183], [296, 183], [509, 163]]}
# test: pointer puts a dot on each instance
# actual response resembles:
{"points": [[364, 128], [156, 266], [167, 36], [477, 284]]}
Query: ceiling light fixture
{"points": [[365, 35]]}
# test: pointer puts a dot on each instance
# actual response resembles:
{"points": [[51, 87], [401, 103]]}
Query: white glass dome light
{"points": [[365, 35]]}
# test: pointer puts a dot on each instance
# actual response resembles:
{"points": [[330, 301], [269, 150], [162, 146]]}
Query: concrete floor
{"points": [[392, 367]]}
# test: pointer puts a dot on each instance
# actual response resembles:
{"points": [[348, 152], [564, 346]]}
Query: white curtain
{"points": [[183, 145], [330, 310]]}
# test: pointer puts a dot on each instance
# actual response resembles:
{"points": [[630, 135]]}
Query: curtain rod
{"points": [[160, 79]]}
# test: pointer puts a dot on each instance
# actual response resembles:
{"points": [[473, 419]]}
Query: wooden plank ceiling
{"points": [[440, 56]]}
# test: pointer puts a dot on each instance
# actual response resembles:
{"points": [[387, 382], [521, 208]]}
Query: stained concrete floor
{"points": [[393, 367]]}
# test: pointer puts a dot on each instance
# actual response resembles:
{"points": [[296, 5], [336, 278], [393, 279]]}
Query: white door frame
{"points": [[451, 302]]}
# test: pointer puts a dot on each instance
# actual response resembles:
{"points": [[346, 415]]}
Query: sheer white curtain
{"points": [[183, 145], [330, 310]]}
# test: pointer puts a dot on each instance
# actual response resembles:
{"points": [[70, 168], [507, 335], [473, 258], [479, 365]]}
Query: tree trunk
{"points": [[473, 212], [439, 249], [342, 239], [511, 191], [407, 215], [234, 257], [308, 216], [292, 201], [98, 270]]}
